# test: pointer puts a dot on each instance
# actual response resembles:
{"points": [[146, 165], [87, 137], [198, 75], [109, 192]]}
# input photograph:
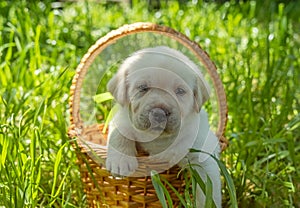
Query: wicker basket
{"points": [[101, 188]]}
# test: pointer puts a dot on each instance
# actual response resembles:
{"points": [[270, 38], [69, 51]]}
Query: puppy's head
{"points": [[160, 87]]}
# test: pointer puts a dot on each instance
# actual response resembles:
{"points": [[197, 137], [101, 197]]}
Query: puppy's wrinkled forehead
{"points": [[162, 58], [165, 66]]}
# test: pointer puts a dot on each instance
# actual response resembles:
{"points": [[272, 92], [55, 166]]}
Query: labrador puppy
{"points": [[160, 93]]}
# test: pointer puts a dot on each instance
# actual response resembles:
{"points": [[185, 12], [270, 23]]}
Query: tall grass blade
{"points": [[209, 193], [59, 188], [228, 178], [4, 141], [161, 191], [180, 197], [56, 170]]}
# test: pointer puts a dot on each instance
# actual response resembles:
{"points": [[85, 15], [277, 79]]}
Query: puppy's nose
{"points": [[159, 115]]}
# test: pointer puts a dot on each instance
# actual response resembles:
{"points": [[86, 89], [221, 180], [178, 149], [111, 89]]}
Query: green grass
{"points": [[192, 179], [254, 45]]}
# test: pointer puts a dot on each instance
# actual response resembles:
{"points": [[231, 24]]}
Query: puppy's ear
{"points": [[117, 86], [201, 93]]}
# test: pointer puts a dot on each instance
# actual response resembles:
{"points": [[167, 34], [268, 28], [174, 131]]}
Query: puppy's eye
{"points": [[143, 88], [180, 91]]}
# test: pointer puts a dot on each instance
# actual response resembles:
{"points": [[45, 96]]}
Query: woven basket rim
{"points": [[74, 102]]}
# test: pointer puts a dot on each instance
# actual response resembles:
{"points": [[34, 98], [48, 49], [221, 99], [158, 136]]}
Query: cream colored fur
{"points": [[160, 93]]}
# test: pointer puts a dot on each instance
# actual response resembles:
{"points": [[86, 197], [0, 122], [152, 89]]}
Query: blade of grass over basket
{"points": [[228, 178], [190, 186], [208, 193], [204, 186], [161, 191], [175, 191], [229, 183], [197, 179], [92, 153], [85, 160], [110, 115], [100, 98]]}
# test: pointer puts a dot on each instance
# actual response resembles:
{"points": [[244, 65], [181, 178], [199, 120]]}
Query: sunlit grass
{"points": [[254, 45]]}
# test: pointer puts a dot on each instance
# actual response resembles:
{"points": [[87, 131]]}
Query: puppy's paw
{"points": [[121, 165]]}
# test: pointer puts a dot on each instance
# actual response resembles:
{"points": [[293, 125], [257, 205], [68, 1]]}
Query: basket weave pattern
{"points": [[101, 188]]}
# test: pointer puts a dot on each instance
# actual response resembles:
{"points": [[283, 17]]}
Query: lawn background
{"points": [[255, 46]]}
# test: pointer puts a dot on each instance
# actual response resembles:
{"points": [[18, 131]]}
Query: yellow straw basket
{"points": [[101, 188]]}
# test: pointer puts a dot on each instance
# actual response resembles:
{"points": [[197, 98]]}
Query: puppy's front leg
{"points": [[121, 155]]}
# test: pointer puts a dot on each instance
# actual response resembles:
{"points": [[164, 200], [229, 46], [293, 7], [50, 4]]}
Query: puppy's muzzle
{"points": [[158, 118]]}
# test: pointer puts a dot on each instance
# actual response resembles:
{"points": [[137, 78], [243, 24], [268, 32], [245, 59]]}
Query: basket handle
{"points": [[111, 37]]}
